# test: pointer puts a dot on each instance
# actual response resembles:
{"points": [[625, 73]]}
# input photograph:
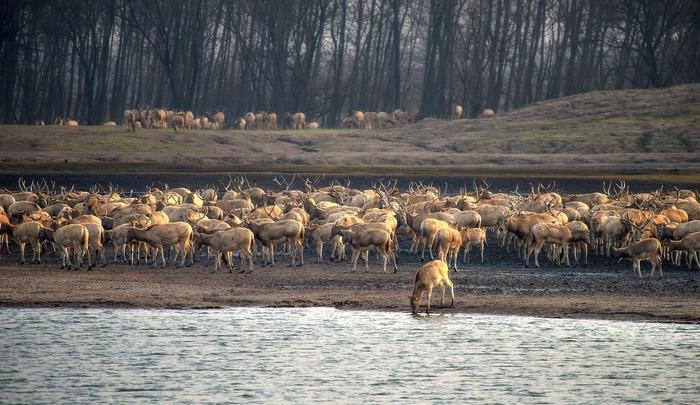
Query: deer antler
{"points": [[307, 185], [621, 188], [22, 184], [394, 186], [269, 214], [520, 196], [607, 191], [675, 200], [549, 204]]}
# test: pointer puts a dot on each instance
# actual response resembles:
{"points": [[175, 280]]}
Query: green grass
{"points": [[630, 133]]}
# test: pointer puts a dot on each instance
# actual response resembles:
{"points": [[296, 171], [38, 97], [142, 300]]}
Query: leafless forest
{"points": [[89, 60]]}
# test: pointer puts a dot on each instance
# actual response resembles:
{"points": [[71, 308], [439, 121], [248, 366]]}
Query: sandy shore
{"points": [[513, 292]]}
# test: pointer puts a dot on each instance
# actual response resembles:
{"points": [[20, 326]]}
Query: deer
{"points": [[432, 274], [645, 249]]}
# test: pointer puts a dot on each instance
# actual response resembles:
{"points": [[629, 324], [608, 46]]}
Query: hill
{"points": [[598, 134]]}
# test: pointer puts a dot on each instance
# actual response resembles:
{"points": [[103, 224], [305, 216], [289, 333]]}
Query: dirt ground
{"points": [[603, 289]]}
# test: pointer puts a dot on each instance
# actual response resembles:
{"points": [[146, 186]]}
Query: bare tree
{"points": [[90, 60]]}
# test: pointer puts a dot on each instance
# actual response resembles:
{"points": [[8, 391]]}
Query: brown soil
{"points": [[555, 292]]}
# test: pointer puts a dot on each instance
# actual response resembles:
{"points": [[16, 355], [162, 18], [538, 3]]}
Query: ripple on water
{"points": [[326, 355]]}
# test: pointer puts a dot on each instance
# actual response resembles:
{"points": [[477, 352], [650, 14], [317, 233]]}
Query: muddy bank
{"points": [[597, 291]]}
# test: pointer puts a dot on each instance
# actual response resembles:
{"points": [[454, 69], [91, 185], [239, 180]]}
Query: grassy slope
{"points": [[655, 132]]}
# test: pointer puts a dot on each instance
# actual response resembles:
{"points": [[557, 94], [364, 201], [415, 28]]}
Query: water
{"points": [[139, 182], [326, 355]]}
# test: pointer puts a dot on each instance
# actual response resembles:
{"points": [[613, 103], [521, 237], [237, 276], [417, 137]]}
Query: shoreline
{"points": [[435, 311], [197, 288]]}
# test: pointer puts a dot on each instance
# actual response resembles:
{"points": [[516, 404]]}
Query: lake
{"points": [[327, 355]]}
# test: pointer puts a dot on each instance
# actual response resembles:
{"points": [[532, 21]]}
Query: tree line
{"points": [[91, 60]]}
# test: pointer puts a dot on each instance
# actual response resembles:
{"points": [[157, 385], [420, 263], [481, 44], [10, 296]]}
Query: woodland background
{"points": [[89, 60]]}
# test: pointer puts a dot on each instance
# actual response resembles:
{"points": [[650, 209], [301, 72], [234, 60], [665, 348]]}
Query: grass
{"points": [[623, 133]]}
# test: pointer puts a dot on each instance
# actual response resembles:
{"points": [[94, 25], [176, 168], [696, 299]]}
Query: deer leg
{"points": [[22, 246], [334, 249], [63, 261], [37, 249], [529, 253], [131, 254], [552, 253], [89, 258], [432, 242], [230, 258], [430, 295], [66, 255], [63, 258], [538, 248], [300, 249], [78, 253], [162, 254], [173, 260], [355, 256], [689, 259], [293, 252]]}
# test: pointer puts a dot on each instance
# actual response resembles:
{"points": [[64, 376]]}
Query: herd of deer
{"points": [[261, 120], [164, 119], [261, 224]]}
